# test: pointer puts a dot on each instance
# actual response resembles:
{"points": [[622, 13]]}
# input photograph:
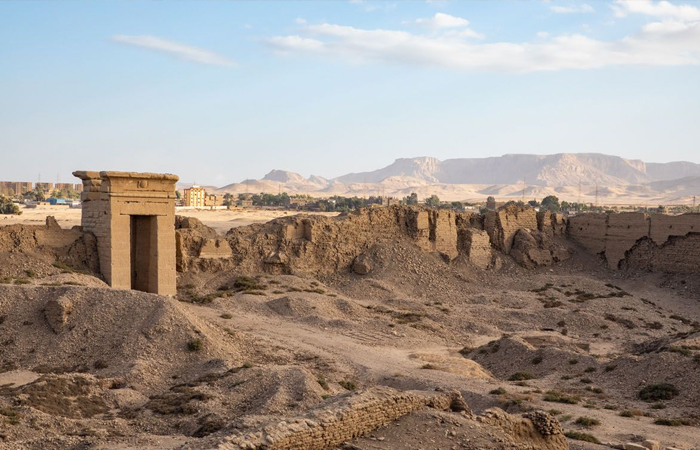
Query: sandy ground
{"points": [[414, 322], [220, 220]]}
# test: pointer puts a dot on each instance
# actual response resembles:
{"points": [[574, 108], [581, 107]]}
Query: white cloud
{"points": [[441, 20], [572, 9], [300, 20], [661, 44], [542, 34], [176, 49], [661, 9]]}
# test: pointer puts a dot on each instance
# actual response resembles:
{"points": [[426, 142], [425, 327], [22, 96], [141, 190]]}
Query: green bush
{"points": [[672, 422], [247, 284], [7, 207], [195, 345], [655, 392], [577, 435], [349, 385], [587, 421], [560, 397]]}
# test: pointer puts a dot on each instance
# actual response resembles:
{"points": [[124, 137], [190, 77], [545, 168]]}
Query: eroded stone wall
{"points": [[322, 245], [349, 418], [52, 243], [659, 243]]}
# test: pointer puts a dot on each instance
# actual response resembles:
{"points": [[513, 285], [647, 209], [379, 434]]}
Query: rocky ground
{"points": [[615, 357]]}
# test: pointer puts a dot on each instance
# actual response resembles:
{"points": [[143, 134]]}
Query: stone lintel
{"points": [[139, 175]]}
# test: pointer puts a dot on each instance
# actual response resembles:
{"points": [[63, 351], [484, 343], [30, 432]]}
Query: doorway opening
{"points": [[144, 244]]}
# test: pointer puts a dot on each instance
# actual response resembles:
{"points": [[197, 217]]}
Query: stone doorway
{"points": [[144, 260]]}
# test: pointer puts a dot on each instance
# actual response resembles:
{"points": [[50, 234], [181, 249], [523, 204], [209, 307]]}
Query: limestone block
{"points": [[651, 445], [57, 311], [632, 446]]}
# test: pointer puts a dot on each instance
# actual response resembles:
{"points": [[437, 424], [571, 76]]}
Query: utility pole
{"points": [[693, 203], [596, 195], [524, 188]]}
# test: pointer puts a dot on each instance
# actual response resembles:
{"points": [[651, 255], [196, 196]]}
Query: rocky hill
{"points": [[619, 180]]}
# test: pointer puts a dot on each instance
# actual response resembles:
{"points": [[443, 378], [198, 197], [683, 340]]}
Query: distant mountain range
{"points": [[568, 175]]}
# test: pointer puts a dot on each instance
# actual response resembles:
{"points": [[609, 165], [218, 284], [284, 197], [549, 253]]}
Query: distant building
{"points": [[390, 201], [297, 203], [46, 187], [15, 187], [213, 200], [195, 197], [64, 187]]}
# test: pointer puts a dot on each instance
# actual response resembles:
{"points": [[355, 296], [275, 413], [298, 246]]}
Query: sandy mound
{"points": [[508, 356], [328, 308], [130, 334]]}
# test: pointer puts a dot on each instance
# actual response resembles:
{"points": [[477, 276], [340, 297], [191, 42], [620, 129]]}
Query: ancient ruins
{"points": [[132, 215], [388, 328]]}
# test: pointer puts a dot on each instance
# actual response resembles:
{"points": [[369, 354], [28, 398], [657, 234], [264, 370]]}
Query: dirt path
{"points": [[381, 363]]}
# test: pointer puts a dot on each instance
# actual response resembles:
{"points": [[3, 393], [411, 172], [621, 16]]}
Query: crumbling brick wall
{"points": [[502, 225], [328, 428], [51, 242], [658, 243]]}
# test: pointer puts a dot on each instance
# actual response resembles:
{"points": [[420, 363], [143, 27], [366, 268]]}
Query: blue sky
{"points": [[217, 92]]}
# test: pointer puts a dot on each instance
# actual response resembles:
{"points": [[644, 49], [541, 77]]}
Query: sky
{"points": [[220, 91]]}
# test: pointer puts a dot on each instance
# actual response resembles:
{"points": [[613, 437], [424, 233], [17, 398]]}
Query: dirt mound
{"points": [[329, 308], [141, 337], [509, 356]]}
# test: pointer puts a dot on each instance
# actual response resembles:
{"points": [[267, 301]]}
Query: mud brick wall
{"points": [[502, 225], [476, 245], [658, 243], [328, 428]]}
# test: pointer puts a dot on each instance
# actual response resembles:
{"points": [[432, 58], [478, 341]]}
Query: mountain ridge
{"points": [[573, 174]]}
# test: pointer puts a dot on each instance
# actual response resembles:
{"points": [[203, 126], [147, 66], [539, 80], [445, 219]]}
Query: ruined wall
{"points": [[353, 416], [502, 225], [358, 414], [52, 243], [658, 243], [552, 224], [476, 245], [589, 230], [322, 245]]}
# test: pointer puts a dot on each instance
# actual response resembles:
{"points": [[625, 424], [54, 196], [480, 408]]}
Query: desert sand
{"points": [[242, 356]]}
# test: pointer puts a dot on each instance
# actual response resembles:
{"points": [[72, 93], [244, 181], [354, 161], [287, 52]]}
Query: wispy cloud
{"points": [[176, 49], [572, 9], [448, 25], [659, 44], [442, 20], [661, 9]]}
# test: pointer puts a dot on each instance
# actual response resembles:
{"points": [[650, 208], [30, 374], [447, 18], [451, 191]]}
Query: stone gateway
{"points": [[132, 215]]}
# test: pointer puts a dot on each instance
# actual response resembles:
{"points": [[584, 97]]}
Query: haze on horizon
{"points": [[218, 92]]}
